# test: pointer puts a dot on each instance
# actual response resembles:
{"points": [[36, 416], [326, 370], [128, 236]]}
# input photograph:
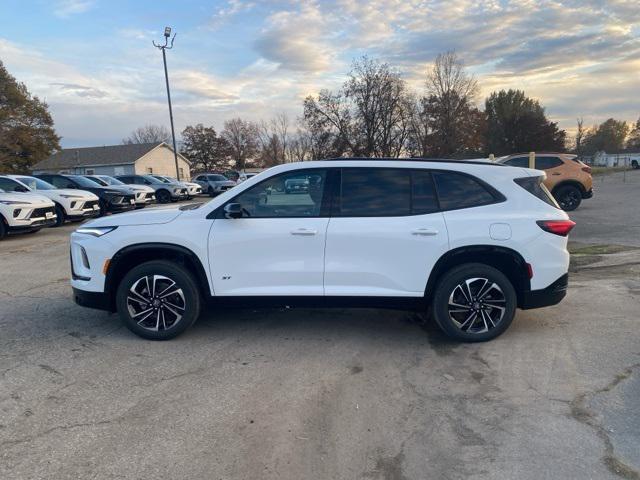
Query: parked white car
{"points": [[25, 212], [468, 241], [193, 189], [144, 195], [70, 204]]}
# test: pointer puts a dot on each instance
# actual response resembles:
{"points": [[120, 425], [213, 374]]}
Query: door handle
{"points": [[426, 232], [304, 231]]}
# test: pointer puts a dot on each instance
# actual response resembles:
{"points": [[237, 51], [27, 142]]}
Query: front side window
{"points": [[217, 178], [456, 190], [62, 182], [291, 194], [9, 185], [374, 192]]}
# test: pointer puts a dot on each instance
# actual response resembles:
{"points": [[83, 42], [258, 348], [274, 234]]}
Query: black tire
{"points": [[568, 197], [3, 228], [211, 192], [484, 316], [104, 209], [635, 164], [188, 304], [163, 196], [60, 216]]}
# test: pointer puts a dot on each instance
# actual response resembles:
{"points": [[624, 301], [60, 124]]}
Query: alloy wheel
{"points": [[477, 305], [156, 302], [570, 200]]}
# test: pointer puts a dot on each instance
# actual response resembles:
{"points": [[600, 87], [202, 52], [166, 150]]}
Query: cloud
{"points": [[67, 8], [232, 8], [80, 90]]}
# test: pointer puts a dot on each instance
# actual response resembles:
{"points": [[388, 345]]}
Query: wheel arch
{"points": [[133, 255], [569, 183], [507, 260]]}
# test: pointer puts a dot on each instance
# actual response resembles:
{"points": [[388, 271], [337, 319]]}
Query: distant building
{"points": [[136, 158]]}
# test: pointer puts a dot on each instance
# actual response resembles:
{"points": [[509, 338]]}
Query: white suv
{"points": [[25, 212], [471, 241]]}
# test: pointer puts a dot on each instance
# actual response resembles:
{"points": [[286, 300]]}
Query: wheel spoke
{"points": [[169, 304], [147, 304], [167, 288], [174, 291], [145, 317]]}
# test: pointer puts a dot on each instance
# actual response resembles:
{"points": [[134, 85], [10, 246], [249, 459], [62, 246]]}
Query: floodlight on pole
{"points": [[169, 46]]}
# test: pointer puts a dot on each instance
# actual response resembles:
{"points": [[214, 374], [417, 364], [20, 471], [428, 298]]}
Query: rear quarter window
{"points": [[457, 190]]}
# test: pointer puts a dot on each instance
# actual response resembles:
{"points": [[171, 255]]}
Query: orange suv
{"points": [[568, 179]]}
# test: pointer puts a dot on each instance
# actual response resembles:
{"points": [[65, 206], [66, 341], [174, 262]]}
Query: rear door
{"points": [[277, 246], [385, 233]]}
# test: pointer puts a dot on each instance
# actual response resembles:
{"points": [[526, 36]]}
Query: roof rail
{"points": [[415, 159]]}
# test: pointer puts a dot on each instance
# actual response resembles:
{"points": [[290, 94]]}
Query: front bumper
{"points": [[551, 295], [97, 300], [33, 225]]}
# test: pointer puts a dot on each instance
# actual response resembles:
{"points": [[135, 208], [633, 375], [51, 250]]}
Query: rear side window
{"points": [[375, 192], [456, 191], [545, 163], [535, 187], [423, 193], [518, 162]]}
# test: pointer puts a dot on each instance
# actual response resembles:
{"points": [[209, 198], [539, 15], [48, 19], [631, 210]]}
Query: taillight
{"points": [[586, 168], [557, 227]]}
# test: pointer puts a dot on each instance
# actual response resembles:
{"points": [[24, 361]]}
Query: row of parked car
{"points": [[30, 203]]}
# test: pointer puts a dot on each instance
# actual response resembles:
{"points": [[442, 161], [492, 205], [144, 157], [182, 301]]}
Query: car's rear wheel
{"points": [[474, 303], [568, 197], [635, 164], [163, 196], [60, 216], [158, 300], [104, 208], [3, 228]]}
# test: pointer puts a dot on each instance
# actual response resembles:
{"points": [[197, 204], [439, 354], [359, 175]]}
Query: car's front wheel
{"points": [[60, 216], [158, 300], [163, 196], [3, 228], [474, 303]]}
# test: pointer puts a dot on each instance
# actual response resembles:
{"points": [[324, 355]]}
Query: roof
{"points": [[95, 156], [477, 161]]}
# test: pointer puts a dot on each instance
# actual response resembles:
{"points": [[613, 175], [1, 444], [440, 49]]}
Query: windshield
{"points": [[84, 182], [99, 180], [153, 179], [35, 183], [110, 180], [162, 179]]}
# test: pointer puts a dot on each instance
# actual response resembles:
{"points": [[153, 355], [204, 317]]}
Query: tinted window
{"points": [[518, 162], [291, 194], [535, 187], [423, 193], [456, 190], [545, 163], [9, 185], [375, 192], [84, 182], [61, 182]]}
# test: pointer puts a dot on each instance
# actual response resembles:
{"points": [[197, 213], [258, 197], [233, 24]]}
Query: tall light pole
{"points": [[167, 46]]}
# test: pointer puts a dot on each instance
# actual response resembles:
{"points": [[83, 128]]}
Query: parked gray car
{"points": [[214, 183], [165, 192]]}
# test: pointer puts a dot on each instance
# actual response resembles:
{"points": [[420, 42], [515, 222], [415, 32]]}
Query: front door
{"points": [[277, 246], [385, 233]]}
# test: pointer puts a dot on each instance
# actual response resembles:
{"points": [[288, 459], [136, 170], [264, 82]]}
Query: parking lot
{"points": [[319, 394]]}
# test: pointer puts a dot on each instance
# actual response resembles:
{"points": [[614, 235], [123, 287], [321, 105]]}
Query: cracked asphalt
{"points": [[323, 394]]}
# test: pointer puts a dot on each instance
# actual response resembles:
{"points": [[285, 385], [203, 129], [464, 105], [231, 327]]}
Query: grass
{"points": [[606, 170]]}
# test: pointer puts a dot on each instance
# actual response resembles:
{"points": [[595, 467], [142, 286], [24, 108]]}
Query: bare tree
{"points": [[242, 137], [274, 140], [148, 134], [580, 133]]}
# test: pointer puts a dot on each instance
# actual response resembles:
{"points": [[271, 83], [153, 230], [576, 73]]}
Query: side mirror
{"points": [[233, 210]]}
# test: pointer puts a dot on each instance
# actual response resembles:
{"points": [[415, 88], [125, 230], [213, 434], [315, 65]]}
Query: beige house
{"points": [[137, 158]]}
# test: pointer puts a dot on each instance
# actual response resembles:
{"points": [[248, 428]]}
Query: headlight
{"points": [[70, 196], [95, 231]]}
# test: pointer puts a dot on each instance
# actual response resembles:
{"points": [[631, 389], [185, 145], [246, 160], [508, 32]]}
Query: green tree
{"points": [[26, 127], [633, 142], [608, 137], [516, 123], [205, 149]]}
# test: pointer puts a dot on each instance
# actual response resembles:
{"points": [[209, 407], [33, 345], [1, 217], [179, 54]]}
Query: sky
{"points": [[93, 61]]}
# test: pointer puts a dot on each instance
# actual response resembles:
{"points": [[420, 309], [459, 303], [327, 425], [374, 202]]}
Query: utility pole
{"points": [[167, 46]]}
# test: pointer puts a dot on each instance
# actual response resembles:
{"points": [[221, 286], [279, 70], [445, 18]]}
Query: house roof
{"points": [[95, 156]]}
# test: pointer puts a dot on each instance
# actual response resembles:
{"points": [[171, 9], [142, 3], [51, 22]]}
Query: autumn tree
{"points": [[243, 139], [609, 137], [633, 141], [579, 139], [26, 126], [205, 149], [148, 134], [516, 123]]}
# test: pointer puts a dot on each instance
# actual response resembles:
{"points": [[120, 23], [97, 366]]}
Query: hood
{"points": [[26, 198], [120, 188], [153, 216], [140, 188], [74, 192]]}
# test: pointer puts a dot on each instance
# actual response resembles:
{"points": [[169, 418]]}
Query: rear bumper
{"points": [[551, 295], [97, 300]]}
